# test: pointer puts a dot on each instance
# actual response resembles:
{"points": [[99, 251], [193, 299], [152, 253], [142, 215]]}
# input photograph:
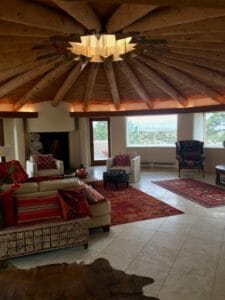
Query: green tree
{"points": [[215, 128]]}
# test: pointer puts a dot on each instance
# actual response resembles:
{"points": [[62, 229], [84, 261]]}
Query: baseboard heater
{"points": [[159, 164]]}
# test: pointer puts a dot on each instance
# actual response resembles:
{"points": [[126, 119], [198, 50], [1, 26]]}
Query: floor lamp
{"points": [[4, 152]]}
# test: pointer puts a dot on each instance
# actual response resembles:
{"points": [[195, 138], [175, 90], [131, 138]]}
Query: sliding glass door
{"points": [[99, 140]]}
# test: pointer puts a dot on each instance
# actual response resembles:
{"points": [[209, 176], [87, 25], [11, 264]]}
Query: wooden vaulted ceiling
{"points": [[179, 59]]}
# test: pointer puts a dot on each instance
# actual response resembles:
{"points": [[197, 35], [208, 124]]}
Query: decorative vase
{"points": [[82, 172]]}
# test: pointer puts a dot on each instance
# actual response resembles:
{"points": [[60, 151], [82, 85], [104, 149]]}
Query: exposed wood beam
{"points": [[9, 43], [135, 83], [208, 63], [21, 56], [159, 81], [196, 71], [18, 114], [27, 76], [193, 37], [11, 72], [33, 14], [43, 84], [82, 12], [67, 84], [13, 29], [219, 56], [183, 78], [126, 14], [187, 3], [173, 16], [90, 84], [109, 71], [166, 111], [208, 46], [204, 26]]}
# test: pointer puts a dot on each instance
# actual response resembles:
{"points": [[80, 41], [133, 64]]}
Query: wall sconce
{"points": [[4, 152]]}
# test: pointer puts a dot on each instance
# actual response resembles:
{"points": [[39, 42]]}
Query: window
{"points": [[152, 130], [214, 129]]}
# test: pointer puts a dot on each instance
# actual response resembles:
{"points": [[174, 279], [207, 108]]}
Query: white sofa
{"points": [[32, 168], [133, 170], [100, 211]]}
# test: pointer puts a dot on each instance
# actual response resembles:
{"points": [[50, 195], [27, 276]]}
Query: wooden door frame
{"points": [[98, 162]]}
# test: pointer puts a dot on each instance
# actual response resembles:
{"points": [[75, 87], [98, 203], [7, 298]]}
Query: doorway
{"points": [[99, 140]]}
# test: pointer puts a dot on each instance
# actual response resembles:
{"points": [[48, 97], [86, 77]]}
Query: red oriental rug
{"points": [[130, 205], [204, 194]]}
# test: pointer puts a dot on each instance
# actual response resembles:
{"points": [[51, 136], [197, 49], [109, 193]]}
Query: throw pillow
{"points": [[92, 195], [45, 162], [35, 209], [74, 203], [8, 207], [121, 160]]}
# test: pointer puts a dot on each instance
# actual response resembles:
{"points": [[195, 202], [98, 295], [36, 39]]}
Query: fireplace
{"points": [[56, 143]]}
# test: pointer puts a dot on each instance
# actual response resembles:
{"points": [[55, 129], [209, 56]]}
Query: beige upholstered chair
{"points": [[53, 169], [133, 170]]}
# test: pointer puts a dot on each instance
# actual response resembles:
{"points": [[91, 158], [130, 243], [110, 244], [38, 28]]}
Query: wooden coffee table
{"points": [[220, 169], [115, 177]]}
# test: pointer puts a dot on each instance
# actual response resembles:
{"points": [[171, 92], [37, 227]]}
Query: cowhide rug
{"points": [[96, 281]]}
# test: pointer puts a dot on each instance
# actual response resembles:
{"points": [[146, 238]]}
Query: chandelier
{"points": [[98, 47]]}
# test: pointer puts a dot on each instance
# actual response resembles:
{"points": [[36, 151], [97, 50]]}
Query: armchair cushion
{"points": [[121, 160], [45, 162], [192, 155]]}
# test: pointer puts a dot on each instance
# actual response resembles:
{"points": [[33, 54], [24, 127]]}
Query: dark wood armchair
{"points": [[189, 154]]}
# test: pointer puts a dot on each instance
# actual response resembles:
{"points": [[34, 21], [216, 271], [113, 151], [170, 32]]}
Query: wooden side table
{"points": [[220, 169]]}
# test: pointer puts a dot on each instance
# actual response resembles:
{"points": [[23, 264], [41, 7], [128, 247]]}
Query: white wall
{"points": [[51, 119], [58, 119]]}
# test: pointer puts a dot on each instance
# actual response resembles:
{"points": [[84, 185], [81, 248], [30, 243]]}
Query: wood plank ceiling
{"points": [[178, 61]]}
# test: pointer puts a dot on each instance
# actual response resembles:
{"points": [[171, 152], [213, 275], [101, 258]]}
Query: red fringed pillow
{"points": [[121, 160], [93, 196], [35, 209], [8, 207], [74, 203], [45, 162]]}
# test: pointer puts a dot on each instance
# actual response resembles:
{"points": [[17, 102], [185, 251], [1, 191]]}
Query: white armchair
{"points": [[133, 170], [34, 171]]}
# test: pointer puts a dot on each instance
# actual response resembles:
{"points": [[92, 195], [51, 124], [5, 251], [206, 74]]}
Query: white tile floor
{"points": [[185, 254]]}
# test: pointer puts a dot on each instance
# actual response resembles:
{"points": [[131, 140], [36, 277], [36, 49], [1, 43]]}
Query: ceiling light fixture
{"points": [[99, 47]]}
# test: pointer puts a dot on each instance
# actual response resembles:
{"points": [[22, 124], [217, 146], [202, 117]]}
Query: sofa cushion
{"points": [[74, 203], [27, 187], [48, 172], [8, 207], [121, 160], [53, 185], [35, 209]]}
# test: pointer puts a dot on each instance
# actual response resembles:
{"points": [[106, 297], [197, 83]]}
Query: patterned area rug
{"points": [[130, 205], [204, 194]]}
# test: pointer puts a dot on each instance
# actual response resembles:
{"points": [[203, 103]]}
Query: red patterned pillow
{"points": [[74, 203], [93, 196], [121, 160], [45, 162], [37, 209], [8, 206], [13, 171]]}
